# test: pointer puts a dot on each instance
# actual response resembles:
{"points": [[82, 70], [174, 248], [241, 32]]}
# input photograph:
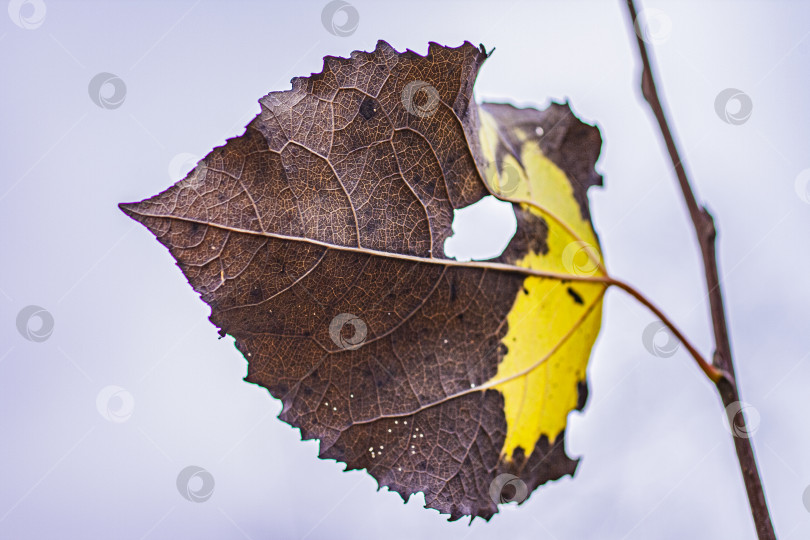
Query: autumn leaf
{"points": [[317, 239]]}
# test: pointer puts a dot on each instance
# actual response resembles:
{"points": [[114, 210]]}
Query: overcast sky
{"points": [[99, 417]]}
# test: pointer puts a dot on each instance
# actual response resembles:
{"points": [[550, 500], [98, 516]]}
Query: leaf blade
{"points": [[336, 201]]}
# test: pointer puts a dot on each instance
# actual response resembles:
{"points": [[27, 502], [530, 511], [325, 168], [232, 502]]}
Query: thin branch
{"points": [[706, 235]]}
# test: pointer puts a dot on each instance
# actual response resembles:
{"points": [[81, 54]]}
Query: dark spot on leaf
{"points": [[255, 294], [368, 108], [577, 298]]}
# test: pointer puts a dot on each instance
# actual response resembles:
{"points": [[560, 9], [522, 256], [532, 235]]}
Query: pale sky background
{"points": [[657, 459]]}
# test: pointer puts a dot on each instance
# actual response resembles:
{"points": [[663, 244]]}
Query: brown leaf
{"points": [[317, 239]]}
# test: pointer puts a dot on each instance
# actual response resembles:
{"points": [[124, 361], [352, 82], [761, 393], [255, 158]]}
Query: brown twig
{"points": [[706, 234]]}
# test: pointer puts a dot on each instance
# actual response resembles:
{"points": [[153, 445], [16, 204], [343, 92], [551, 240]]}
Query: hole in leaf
{"points": [[482, 230]]}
